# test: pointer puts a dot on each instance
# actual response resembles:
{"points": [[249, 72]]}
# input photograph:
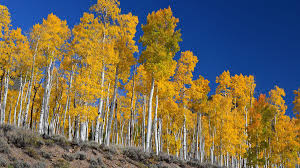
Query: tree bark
{"points": [[148, 139], [70, 128], [100, 107], [111, 115], [3, 106], [44, 110], [184, 140], [21, 102], [155, 124], [105, 116], [130, 133], [68, 100]]}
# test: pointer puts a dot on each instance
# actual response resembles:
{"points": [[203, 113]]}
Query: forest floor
{"points": [[21, 148]]}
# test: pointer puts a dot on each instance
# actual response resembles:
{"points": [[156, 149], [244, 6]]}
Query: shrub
{"points": [[108, 156], [11, 158], [153, 166], [24, 138], [84, 146], [45, 155], [80, 156], [99, 160], [136, 154], [93, 162], [169, 158], [31, 152], [164, 165], [74, 143], [20, 164], [111, 149], [93, 166], [196, 163], [39, 165], [60, 140], [89, 145], [60, 163], [68, 157], [4, 148], [3, 162], [6, 128], [93, 145], [49, 142]]}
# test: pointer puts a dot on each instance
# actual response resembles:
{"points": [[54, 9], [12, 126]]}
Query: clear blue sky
{"points": [[252, 37]]}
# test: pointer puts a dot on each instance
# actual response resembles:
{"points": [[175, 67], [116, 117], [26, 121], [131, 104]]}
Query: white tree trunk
{"points": [[70, 129], [47, 104], [144, 122], [130, 133], [111, 115], [105, 117], [155, 124], [3, 106], [100, 107], [68, 100], [30, 86], [27, 102], [148, 139], [21, 104], [44, 109], [51, 125], [82, 131], [202, 144], [184, 140], [197, 156]]}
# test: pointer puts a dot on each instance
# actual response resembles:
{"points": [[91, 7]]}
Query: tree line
{"points": [[86, 84]]}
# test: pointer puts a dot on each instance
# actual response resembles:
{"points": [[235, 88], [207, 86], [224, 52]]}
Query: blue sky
{"points": [[252, 37]]}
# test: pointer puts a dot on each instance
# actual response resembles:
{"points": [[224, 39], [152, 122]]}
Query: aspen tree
{"points": [[183, 77], [53, 36], [125, 48], [161, 42], [198, 98]]}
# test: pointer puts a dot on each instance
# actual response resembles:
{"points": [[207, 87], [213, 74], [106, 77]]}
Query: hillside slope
{"points": [[23, 148]]}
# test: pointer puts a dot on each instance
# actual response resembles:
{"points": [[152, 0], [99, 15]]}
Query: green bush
{"points": [[92, 145], [39, 165], [136, 154], [80, 156], [20, 164], [3, 162], [60, 163], [4, 147], [31, 152], [110, 149], [45, 155], [7, 128], [93, 162], [24, 138], [68, 157], [60, 140]]}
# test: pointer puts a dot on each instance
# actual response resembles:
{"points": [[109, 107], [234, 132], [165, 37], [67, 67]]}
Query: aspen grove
{"points": [[89, 83]]}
